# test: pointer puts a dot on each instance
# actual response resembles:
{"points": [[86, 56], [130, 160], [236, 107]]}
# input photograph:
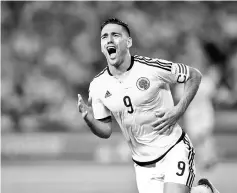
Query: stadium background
{"points": [[50, 51]]}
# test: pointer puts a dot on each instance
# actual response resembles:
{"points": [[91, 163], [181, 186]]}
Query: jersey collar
{"points": [[129, 68]]}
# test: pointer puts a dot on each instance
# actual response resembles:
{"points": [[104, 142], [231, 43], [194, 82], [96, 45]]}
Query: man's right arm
{"points": [[101, 128]]}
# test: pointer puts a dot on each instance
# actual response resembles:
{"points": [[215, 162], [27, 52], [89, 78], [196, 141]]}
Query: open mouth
{"points": [[112, 51]]}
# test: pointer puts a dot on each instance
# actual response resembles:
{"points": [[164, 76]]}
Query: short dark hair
{"points": [[116, 21]]}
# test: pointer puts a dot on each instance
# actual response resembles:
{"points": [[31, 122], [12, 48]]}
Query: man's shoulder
{"points": [[100, 78], [101, 75], [146, 59], [153, 62]]}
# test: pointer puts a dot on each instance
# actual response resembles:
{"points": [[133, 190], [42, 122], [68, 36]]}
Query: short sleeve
{"points": [[99, 109], [173, 72]]}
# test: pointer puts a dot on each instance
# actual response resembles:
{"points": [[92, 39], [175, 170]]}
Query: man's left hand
{"points": [[167, 118]]}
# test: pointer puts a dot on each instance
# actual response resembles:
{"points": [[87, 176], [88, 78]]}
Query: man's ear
{"points": [[129, 42]]}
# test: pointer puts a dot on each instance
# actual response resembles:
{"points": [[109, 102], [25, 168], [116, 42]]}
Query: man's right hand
{"points": [[82, 107]]}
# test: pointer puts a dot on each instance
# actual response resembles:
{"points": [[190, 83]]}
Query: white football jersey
{"points": [[134, 97]]}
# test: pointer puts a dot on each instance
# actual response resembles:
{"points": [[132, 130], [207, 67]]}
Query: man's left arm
{"points": [[190, 89], [171, 116]]}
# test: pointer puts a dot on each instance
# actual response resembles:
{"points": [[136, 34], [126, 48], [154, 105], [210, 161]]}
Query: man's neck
{"points": [[123, 67]]}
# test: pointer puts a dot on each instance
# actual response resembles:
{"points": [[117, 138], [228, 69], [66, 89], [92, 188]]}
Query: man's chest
{"points": [[120, 94]]}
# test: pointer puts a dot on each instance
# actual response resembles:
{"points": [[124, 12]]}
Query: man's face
{"points": [[115, 43]]}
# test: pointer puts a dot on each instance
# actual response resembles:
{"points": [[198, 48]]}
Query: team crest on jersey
{"points": [[143, 83]]}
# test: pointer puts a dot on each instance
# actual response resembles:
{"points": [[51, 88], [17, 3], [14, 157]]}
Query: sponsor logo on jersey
{"points": [[143, 83], [107, 94]]}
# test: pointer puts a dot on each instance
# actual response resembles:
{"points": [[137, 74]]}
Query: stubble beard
{"points": [[120, 58], [114, 62]]}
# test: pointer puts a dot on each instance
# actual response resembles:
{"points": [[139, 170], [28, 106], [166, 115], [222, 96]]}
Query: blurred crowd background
{"points": [[50, 51]]}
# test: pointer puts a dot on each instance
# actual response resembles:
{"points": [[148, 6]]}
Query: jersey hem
{"points": [[163, 155]]}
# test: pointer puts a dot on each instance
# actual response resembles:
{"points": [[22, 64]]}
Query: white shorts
{"points": [[176, 166]]}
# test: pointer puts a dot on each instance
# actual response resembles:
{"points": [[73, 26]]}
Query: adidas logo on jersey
{"points": [[107, 94]]}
